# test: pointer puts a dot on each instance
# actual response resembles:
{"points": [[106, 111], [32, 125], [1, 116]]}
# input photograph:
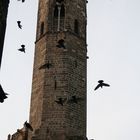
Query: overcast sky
{"points": [[114, 56]]}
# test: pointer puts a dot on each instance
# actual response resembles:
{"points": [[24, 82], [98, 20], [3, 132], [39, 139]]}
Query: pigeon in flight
{"points": [[101, 84], [3, 95], [19, 24], [60, 101], [74, 99], [61, 44], [28, 126], [22, 49], [47, 65]]}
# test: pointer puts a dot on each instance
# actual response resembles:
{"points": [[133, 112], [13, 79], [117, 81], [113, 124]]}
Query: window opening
{"points": [[76, 26], [42, 28]]}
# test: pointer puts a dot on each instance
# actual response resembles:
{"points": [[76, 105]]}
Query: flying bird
{"points": [[61, 44], [47, 65], [28, 126], [60, 101], [3, 95], [74, 99], [19, 24], [22, 49], [101, 84]]}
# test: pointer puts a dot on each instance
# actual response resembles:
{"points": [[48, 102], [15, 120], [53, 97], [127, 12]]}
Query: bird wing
{"points": [[104, 84], [97, 87], [64, 100], [1, 90], [30, 127], [20, 49], [43, 66], [59, 102], [2, 93], [58, 46], [70, 101], [23, 46]]}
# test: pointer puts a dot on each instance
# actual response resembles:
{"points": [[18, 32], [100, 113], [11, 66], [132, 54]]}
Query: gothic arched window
{"points": [[56, 11], [76, 26], [62, 12], [59, 14]]}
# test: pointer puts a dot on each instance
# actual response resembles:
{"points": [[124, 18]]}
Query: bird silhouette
{"points": [[74, 99], [28, 126], [47, 65], [61, 44], [22, 49], [60, 101], [101, 84], [20, 131], [19, 24], [3, 95]]}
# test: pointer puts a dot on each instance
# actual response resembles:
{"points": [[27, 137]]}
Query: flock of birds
{"points": [[3, 95]]}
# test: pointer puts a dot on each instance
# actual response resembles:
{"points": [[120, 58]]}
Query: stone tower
{"points": [[58, 99]]}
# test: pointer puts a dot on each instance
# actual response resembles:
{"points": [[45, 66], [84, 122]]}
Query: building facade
{"points": [[58, 98]]}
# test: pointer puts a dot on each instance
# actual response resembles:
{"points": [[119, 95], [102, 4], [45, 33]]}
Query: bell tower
{"points": [[58, 99]]}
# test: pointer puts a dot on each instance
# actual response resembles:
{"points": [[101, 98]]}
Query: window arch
{"points": [[56, 11], [62, 11], [76, 26]]}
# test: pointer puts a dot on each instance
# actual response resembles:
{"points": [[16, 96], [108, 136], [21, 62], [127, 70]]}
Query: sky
{"points": [[113, 34]]}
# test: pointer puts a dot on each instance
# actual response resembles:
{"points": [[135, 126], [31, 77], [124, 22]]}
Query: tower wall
{"points": [[66, 76]]}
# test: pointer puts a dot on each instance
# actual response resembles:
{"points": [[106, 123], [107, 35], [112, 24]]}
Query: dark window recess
{"points": [[76, 26], [62, 13], [55, 84], [56, 12], [42, 28]]}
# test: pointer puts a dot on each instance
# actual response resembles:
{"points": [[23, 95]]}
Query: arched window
{"points": [[62, 12], [56, 11], [76, 26]]}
